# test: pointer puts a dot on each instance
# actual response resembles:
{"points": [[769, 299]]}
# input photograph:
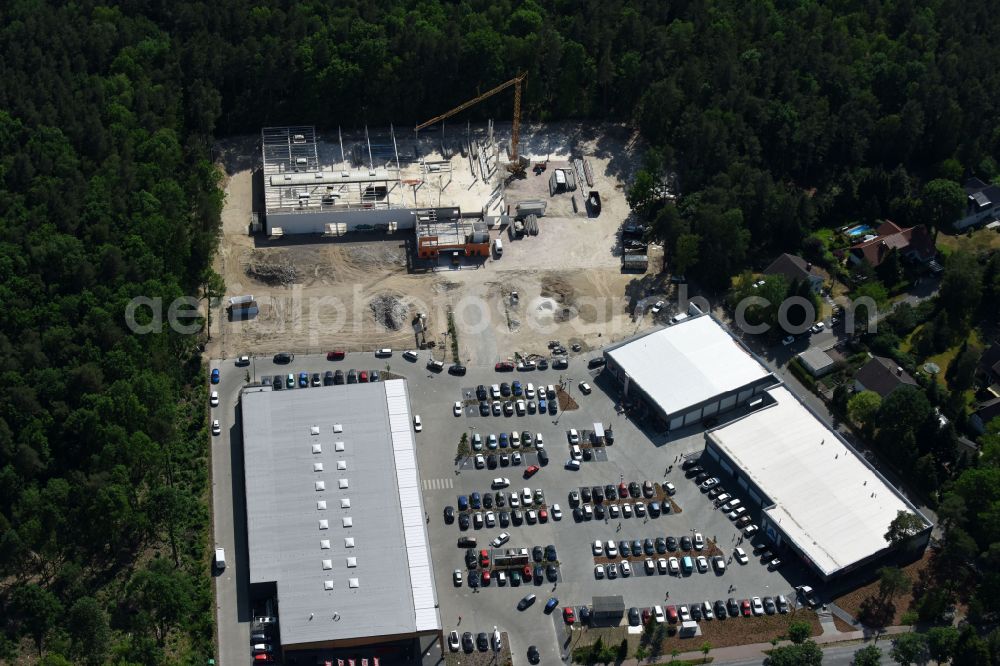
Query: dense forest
{"points": [[778, 117]]}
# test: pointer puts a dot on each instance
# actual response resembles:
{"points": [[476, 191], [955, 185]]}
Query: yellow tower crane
{"points": [[515, 166]]}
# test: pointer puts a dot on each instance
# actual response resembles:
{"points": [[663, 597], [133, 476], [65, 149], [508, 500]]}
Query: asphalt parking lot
{"points": [[636, 455]]}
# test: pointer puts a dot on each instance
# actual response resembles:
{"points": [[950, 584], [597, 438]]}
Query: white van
{"points": [[498, 247], [220, 558]]}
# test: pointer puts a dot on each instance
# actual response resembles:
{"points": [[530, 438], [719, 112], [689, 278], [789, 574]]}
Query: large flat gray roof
{"points": [[366, 570]]}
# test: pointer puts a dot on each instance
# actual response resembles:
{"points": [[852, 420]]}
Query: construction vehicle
{"points": [[517, 166]]}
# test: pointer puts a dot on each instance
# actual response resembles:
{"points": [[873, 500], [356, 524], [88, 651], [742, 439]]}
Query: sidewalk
{"points": [[757, 650]]}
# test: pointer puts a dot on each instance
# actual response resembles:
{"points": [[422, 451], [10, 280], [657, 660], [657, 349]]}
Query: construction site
{"points": [[501, 235]]}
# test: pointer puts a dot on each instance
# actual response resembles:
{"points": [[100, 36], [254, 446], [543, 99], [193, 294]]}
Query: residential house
{"points": [[883, 376], [796, 268], [985, 412], [982, 204], [989, 364], [913, 243]]}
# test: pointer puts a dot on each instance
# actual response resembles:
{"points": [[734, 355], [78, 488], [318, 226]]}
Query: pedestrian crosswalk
{"points": [[438, 484]]}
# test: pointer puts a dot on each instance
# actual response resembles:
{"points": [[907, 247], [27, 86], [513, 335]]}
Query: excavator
{"points": [[517, 166]]}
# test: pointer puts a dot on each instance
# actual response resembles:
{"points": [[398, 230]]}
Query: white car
{"points": [[214, 399], [675, 566], [588, 513], [817, 327], [598, 571], [520, 407], [598, 548], [458, 408], [495, 391], [477, 442], [787, 340], [417, 424], [720, 563], [515, 440], [453, 641], [457, 577], [585, 388], [613, 510], [684, 613], [701, 560], [574, 436], [556, 512], [501, 482], [526, 496], [480, 461], [500, 539], [650, 565], [699, 541], [731, 504], [721, 500], [572, 465], [529, 391], [411, 355], [515, 459], [611, 549], [661, 565], [657, 307], [216, 428], [627, 510], [669, 488], [659, 615], [243, 360], [539, 442], [750, 531], [758, 607], [502, 577], [531, 516], [515, 500], [626, 568], [491, 519], [706, 610], [497, 408], [741, 556], [384, 352], [737, 512]]}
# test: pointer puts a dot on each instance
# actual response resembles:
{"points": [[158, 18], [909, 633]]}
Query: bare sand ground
{"points": [[568, 279]]}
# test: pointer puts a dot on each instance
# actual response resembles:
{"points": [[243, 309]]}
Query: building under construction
{"points": [[378, 181], [447, 231]]}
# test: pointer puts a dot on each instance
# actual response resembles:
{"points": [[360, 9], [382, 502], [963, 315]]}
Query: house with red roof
{"points": [[913, 243]]}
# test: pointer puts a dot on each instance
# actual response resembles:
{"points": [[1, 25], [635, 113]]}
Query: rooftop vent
{"points": [[352, 562], [345, 503], [348, 521], [349, 542], [327, 584], [314, 430], [317, 448], [338, 446], [327, 565], [353, 583], [320, 485], [324, 544], [324, 524], [343, 484], [321, 505], [298, 138], [317, 467], [338, 428], [341, 464]]}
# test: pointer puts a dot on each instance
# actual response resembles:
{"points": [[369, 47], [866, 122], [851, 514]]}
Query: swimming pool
{"points": [[859, 230]]}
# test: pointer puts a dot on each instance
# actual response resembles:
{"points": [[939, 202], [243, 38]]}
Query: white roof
{"points": [[687, 363], [826, 499]]}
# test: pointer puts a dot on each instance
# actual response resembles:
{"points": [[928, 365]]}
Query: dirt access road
{"points": [[316, 294]]}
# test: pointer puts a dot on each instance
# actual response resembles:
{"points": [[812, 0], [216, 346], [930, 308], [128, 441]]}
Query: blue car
{"points": [[551, 604], [303, 379], [516, 388], [504, 441], [475, 500], [463, 502], [215, 375], [541, 405]]}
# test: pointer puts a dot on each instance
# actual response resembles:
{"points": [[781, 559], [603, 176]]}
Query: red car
{"points": [[745, 608], [335, 355], [622, 489], [486, 577], [484, 558], [363, 376], [526, 574], [647, 614], [530, 471], [568, 615], [671, 614], [504, 366], [543, 516]]}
